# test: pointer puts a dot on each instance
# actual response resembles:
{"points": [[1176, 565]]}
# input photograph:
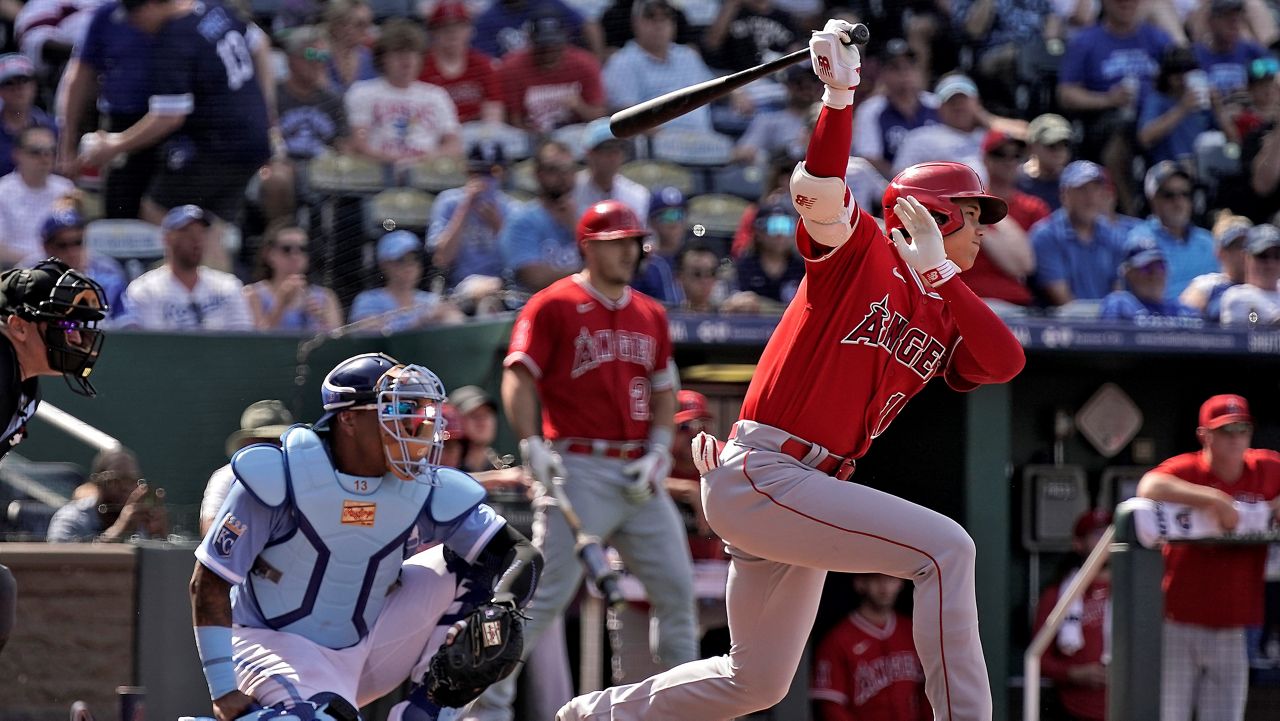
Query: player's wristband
{"points": [[837, 99], [941, 274], [660, 437], [213, 643]]}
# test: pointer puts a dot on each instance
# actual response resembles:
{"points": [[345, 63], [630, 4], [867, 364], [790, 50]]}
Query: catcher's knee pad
{"points": [[324, 706]]}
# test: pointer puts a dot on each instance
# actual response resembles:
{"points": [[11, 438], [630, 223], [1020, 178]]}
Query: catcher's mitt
{"points": [[486, 650]]}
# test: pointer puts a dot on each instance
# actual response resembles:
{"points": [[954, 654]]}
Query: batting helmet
{"points": [[353, 383], [609, 220], [937, 186]]}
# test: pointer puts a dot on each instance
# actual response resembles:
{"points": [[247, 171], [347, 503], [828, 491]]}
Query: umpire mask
{"points": [[67, 305], [410, 399]]}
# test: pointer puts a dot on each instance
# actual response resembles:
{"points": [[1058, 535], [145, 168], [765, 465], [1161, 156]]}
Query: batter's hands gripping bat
{"points": [[652, 113], [589, 548]]}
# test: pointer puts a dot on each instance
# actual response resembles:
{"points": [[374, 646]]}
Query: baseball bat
{"points": [[652, 113], [588, 547]]}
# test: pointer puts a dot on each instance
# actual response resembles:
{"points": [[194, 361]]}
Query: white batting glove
{"points": [[647, 471], [542, 462], [925, 251], [706, 452], [835, 63]]}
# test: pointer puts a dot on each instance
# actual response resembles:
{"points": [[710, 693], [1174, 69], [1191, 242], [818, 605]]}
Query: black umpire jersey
{"points": [[18, 400]]}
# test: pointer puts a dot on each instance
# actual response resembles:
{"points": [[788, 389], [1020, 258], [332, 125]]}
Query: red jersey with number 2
{"points": [[596, 362]]}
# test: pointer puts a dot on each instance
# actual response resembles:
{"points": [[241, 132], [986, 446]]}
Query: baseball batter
{"points": [[874, 320], [598, 356]]}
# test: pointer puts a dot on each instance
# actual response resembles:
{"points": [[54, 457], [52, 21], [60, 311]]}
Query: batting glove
{"points": [[706, 452], [924, 251], [836, 63], [648, 471], [542, 462]]}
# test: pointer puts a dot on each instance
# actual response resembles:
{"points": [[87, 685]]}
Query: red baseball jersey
{"points": [[1088, 703], [872, 672], [477, 83], [1219, 586], [596, 361]]}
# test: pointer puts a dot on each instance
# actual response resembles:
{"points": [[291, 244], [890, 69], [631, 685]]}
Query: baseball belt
{"points": [[837, 467]]}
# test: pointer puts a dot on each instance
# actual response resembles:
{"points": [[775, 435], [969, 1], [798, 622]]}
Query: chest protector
{"points": [[327, 580]]}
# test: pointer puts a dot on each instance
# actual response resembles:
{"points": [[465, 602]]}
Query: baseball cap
{"points": [[693, 405], [469, 398], [396, 245], [262, 420], [1159, 174], [1141, 254], [952, 85], [1224, 409], [1048, 129], [1261, 238], [665, 198], [1178, 59], [15, 65], [546, 29], [297, 40], [484, 155], [448, 12], [182, 216], [995, 138], [1080, 173], [597, 133], [1231, 233], [1092, 520], [59, 220]]}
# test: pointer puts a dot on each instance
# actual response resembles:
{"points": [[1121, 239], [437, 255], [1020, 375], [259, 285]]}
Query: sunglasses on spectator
{"points": [[1264, 67], [701, 272], [1270, 255], [67, 244], [316, 55], [1151, 268], [293, 248], [15, 82], [1006, 155], [1173, 194], [670, 215], [42, 150]]}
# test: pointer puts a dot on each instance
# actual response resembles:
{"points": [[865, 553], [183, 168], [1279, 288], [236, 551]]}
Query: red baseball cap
{"points": [[448, 12], [692, 405], [1218, 411], [1090, 521], [995, 138]]}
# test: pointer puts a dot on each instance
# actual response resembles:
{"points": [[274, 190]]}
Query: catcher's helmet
{"points": [[353, 383], [609, 220], [70, 304], [937, 186]]}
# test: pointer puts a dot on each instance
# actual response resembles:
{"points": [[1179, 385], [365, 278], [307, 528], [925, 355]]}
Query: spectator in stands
{"points": [[1005, 260], [652, 64], [698, 271], [772, 270], [399, 304], [615, 23], [1077, 251], [1261, 148], [312, 119], [999, 31], [62, 236], [47, 31], [600, 180], [468, 75], [1204, 292], [261, 422], [121, 505], [465, 225], [958, 134], [1227, 55], [182, 294], [866, 666], [478, 426], [507, 26], [112, 67], [347, 23], [1256, 301], [551, 84], [537, 243], [1177, 110], [1261, 104], [1145, 276], [1212, 593], [785, 130], [1049, 147], [746, 32], [882, 120], [1188, 248], [656, 277], [1003, 155], [283, 298], [1076, 660], [28, 193], [396, 118], [17, 106]]}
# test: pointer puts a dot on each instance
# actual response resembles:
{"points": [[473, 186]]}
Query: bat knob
{"points": [[860, 34]]}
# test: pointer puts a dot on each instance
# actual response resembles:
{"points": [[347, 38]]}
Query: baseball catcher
{"points": [[481, 649]]}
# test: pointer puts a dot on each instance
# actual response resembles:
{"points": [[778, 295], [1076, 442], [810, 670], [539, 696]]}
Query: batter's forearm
{"points": [[664, 412], [989, 353], [520, 401], [210, 598], [828, 152]]}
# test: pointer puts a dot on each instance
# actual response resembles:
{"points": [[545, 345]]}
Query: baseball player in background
{"points": [[873, 321], [597, 355]]}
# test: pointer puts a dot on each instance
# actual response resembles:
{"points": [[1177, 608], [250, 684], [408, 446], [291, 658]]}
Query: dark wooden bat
{"points": [[652, 113]]}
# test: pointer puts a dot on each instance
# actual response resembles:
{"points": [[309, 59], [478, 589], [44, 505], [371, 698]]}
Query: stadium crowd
{"points": [[400, 165]]}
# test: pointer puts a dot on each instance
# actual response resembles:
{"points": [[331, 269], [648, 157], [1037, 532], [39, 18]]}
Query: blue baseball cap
{"points": [[664, 198], [1233, 234], [182, 216], [16, 65], [1080, 173], [1140, 254], [1261, 238], [60, 219], [396, 245]]}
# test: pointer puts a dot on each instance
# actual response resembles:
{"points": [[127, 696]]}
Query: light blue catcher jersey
{"points": [[313, 551]]}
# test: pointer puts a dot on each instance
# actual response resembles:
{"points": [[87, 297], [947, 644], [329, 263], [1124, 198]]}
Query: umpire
{"points": [[48, 326]]}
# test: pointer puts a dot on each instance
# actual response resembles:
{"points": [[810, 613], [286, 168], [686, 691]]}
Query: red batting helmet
{"points": [[937, 186], [609, 220]]}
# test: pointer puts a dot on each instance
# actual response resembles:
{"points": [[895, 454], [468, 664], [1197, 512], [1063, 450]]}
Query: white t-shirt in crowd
{"points": [[942, 142], [1240, 301], [625, 190], [157, 300], [23, 210], [404, 122]]}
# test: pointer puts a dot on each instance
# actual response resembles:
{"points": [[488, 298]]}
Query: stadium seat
{"points": [[398, 208], [438, 174], [124, 239], [691, 148], [515, 142], [717, 214], [654, 174], [346, 175], [742, 180]]}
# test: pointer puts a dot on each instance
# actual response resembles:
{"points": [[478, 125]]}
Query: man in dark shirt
{"points": [[749, 32]]}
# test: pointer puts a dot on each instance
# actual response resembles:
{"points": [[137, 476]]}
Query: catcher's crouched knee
{"points": [[487, 650]]}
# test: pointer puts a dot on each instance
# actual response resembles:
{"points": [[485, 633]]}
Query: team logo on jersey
{"points": [[229, 532], [591, 349], [892, 332], [358, 513]]}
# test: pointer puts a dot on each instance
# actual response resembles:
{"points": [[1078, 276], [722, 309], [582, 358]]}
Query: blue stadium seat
{"points": [[333, 174], [691, 148], [397, 208], [719, 215], [438, 174], [654, 174], [136, 244]]}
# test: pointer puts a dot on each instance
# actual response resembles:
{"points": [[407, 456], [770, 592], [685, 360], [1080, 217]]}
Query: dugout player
{"points": [[337, 555], [49, 318], [597, 356], [872, 322]]}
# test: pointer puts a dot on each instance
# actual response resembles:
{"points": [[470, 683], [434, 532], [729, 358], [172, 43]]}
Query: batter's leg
{"points": [[771, 611], [1179, 673]]}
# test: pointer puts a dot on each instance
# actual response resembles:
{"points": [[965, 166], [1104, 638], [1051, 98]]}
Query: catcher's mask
{"points": [[410, 401], [67, 306]]}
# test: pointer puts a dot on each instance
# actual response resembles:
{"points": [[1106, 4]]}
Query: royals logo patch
{"points": [[358, 513], [228, 533]]}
